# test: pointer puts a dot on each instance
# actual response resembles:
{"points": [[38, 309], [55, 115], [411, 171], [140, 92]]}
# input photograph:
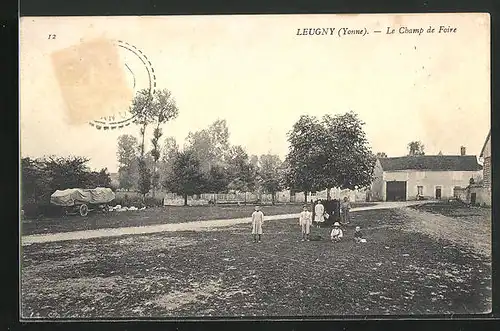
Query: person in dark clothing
{"points": [[330, 207], [358, 236], [345, 207]]}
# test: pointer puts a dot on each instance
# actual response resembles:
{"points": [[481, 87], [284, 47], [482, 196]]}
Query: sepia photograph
{"points": [[255, 166]]}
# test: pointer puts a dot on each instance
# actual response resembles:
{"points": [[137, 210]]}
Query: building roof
{"points": [[431, 162], [485, 143]]}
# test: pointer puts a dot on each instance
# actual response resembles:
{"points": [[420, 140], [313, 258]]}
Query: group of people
{"points": [[306, 221], [321, 215]]}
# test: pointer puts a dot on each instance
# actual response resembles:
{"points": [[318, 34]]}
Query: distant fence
{"points": [[172, 199], [221, 198]]}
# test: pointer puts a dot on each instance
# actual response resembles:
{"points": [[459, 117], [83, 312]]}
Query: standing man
{"points": [[305, 220], [345, 206], [319, 211], [257, 220]]}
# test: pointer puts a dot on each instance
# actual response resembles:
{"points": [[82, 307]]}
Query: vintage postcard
{"points": [[255, 166]]}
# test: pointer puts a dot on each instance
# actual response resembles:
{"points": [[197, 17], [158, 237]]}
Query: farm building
{"points": [[480, 193], [486, 157], [423, 176]]}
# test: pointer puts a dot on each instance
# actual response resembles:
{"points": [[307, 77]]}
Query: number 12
{"points": [[52, 36]]}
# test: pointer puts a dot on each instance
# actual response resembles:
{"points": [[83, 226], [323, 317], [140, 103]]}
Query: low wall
{"points": [[483, 195]]}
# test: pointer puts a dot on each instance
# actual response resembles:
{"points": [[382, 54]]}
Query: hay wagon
{"points": [[82, 201]]}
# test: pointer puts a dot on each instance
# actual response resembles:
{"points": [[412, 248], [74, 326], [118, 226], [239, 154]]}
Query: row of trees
{"points": [[42, 177], [240, 173], [324, 153], [207, 164]]}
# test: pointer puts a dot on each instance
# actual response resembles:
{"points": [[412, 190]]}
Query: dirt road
{"points": [[187, 226], [473, 232]]}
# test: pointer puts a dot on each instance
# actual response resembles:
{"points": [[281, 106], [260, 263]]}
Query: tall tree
{"points": [[349, 159], [67, 172], [151, 107], [217, 180], [254, 161], [241, 172], [169, 152], [255, 164], [415, 148], [210, 145], [333, 152], [141, 109], [35, 181], [127, 155], [170, 149], [99, 178], [302, 164], [270, 174], [144, 184], [186, 178], [163, 109]]}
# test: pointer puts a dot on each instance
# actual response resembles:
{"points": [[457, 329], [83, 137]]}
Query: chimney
{"points": [[462, 150]]}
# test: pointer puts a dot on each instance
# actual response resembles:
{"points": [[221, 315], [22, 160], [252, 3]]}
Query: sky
{"points": [[260, 76]]}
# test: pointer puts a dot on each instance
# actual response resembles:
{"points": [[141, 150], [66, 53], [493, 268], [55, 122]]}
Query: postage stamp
{"points": [[98, 79]]}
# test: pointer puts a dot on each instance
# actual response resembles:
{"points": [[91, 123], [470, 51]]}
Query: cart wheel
{"points": [[84, 210]]}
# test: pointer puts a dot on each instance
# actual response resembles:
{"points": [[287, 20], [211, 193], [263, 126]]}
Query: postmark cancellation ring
{"points": [[142, 76]]}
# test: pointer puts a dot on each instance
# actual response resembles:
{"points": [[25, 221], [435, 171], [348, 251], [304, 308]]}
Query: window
{"points": [[420, 190]]}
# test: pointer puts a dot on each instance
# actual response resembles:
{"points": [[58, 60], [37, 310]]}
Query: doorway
{"points": [[438, 192], [473, 199], [396, 191]]}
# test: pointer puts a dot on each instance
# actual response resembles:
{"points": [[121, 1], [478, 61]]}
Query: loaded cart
{"points": [[81, 201]]}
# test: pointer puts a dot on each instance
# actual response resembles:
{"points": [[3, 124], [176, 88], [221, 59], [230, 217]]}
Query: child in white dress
{"points": [[257, 220], [319, 212]]}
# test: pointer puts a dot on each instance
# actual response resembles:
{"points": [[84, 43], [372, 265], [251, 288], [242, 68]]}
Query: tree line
{"points": [[331, 152], [208, 163], [43, 176]]}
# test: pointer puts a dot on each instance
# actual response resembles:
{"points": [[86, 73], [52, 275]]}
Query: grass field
{"points": [[404, 268], [157, 215]]}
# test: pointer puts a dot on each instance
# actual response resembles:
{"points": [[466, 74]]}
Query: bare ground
{"points": [[473, 231], [408, 266]]}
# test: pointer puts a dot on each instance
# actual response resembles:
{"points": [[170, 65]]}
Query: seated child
{"points": [[358, 236], [336, 233]]}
